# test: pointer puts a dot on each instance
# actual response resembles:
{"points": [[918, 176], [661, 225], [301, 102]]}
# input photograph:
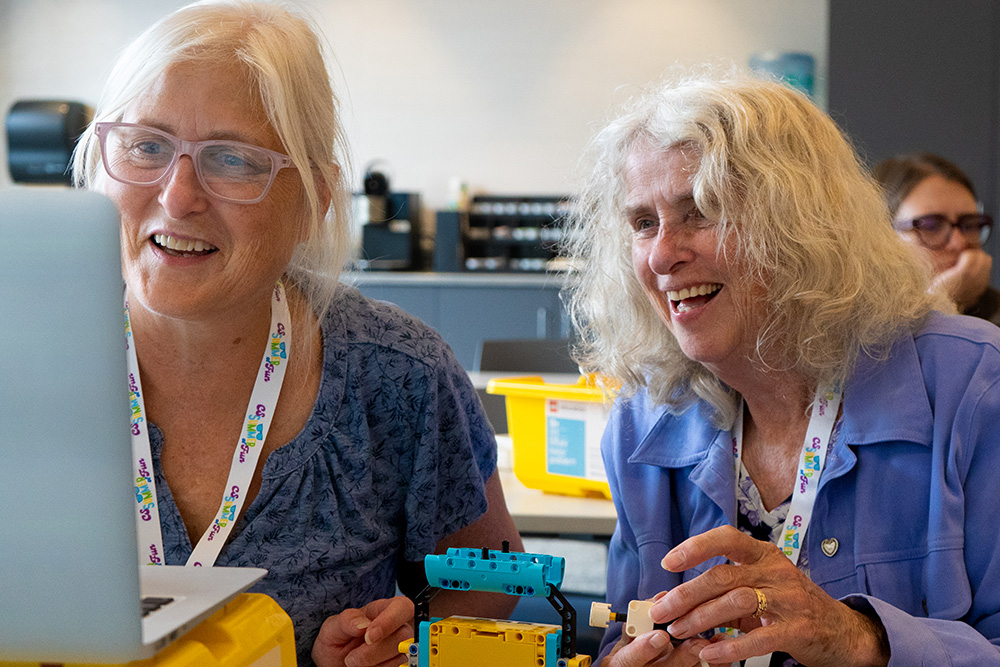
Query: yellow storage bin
{"points": [[556, 430], [250, 631]]}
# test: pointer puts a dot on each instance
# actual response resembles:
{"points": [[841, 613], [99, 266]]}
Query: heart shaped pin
{"points": [[830, 546]]}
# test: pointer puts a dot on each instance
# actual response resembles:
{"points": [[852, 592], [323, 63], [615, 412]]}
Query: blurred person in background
{"points": [[934, 207]]}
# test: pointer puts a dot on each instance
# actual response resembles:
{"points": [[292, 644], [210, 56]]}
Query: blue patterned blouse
{"points": [[394, 458]]}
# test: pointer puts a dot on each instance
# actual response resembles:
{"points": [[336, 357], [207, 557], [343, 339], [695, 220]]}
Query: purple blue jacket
{"points": [[911, 494]]}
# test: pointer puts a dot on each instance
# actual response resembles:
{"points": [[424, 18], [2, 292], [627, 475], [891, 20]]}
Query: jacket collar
{"points": [[887, 399], [690, 434], [884, 400]]}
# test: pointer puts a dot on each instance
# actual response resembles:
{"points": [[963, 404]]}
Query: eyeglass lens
{"points": [[230, 170], [935, 230]]}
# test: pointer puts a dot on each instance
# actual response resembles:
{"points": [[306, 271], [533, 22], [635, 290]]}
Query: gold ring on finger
{"points": [[761, 603]]}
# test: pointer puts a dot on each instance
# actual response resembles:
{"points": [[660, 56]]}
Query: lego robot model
{"points": [[460, 641]]}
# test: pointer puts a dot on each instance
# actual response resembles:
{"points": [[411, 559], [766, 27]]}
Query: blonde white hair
{"points": [[790, 196], [282, 55]]}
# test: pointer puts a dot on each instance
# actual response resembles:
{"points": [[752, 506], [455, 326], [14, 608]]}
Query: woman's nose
{"points": [[667, 251], [181, 193], [958, 241]]}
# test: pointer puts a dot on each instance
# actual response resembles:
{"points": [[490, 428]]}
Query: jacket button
{"points": [[830, 546]]}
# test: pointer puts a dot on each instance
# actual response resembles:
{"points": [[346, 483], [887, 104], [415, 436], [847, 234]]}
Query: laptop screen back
{"points": [[69, 578]]}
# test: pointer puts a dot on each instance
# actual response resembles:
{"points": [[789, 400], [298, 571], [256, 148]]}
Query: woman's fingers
{"points": [[365, 637], [726, 591], [382, 652], [725, 541], [737, 603], [760, 641], [723, 593], [341, 628], [387, 616], [653, 649], [773, 603]]}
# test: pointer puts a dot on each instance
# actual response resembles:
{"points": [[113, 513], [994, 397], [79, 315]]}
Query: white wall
{"points": [[502, 93]]}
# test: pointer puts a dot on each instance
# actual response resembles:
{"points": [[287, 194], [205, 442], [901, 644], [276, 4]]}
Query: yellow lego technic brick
{"points": [[250, 631], [459, 641]]}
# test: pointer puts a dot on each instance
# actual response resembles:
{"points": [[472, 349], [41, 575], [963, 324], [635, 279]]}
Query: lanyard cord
{"points": [[260, 410], [812, 460]]}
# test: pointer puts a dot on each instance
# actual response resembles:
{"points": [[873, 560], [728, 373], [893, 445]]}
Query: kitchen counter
{"points": [[468, 308], [456, 279]]}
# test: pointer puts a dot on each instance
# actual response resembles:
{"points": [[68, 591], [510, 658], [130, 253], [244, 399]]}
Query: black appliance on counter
{"points": [[41, 135], [390, 226], [501, 233]]}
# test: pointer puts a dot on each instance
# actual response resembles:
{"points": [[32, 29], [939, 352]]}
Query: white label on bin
{"points": [[573, 432]]}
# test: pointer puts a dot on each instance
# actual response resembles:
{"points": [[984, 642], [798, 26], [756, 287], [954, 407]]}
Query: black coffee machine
{"points": [[390, 225], [41, 135]]}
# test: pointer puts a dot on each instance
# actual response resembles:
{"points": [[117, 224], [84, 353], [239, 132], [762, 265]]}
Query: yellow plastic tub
{"points": [[250, 631], [556, 430]]}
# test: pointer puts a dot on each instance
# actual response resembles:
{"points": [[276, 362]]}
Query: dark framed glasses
{"points": [[229, 170], [934, 230]]}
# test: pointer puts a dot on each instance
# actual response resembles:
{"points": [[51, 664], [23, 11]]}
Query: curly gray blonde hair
{"points": [[790, 196]]}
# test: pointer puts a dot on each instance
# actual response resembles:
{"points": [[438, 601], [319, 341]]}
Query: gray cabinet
{"points": [[469, 308]]}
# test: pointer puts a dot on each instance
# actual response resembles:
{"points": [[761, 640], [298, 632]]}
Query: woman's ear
{"points": [[310, 225], [323, 186]]}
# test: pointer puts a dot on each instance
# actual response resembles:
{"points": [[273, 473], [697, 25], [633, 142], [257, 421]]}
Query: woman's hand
{"points": [[653, 649], [366, 637], [966, 281], [801, 619]]}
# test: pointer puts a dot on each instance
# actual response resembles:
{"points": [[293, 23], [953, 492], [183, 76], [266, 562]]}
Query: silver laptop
{"points": [[70, 579]]}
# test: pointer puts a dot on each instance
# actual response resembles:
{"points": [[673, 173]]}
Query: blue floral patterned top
{"points": [[394, 458]]}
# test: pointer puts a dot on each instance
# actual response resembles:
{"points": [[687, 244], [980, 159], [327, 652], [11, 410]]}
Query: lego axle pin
{"points": [[637, 621]]}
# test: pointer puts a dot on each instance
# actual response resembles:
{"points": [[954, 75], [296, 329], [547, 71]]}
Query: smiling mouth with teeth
{"points": [[182, 248], [690, 298]]}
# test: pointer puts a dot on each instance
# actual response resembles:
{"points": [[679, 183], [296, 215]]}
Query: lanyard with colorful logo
{"points": [[263, 400], [826, 405]]}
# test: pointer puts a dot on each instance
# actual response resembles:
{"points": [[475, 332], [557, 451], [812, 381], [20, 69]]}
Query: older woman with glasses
{"points": [[803, 451], [291, 423], [934, 207]]}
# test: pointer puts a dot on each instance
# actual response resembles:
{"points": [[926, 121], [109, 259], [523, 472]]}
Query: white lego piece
{"points": [[600, 614], [639, 621]]}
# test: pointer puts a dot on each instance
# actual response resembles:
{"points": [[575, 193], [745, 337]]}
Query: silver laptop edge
{"points": [[69, 569]]}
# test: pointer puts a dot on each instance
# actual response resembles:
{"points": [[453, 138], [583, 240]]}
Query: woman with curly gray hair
{"points": [[799, 452]]}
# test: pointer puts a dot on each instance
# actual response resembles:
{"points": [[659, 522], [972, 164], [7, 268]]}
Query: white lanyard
{"points": [[812, 460], [263, 400]]}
